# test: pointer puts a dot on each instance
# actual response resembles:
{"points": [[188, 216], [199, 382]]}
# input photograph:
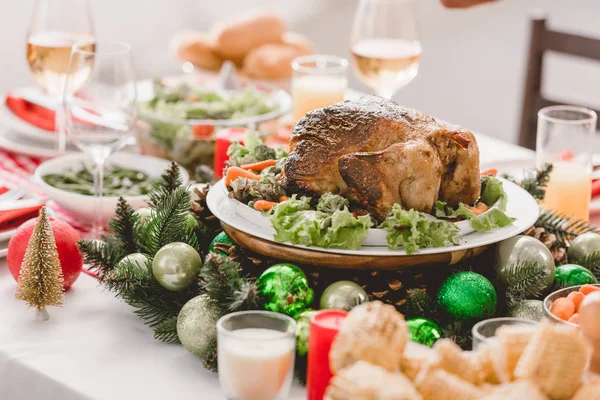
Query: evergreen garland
{"points": [[525, 278], [535, 183], [565, 228]]}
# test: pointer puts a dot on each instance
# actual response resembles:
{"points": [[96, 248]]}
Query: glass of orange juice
{"points": [[565, 139], [318, 81]]}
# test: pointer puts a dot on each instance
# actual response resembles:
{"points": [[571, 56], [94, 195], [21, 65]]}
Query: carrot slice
{"points": [[574, 319], [480, 208], [576, 298], [283, 198], [235, 172], [563, 308], [264, 205], [587, 289], [491, 171], [259, 166]]}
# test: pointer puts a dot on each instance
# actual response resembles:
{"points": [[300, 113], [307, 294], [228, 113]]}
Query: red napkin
{"points": [[12, 219], [34, 114]]}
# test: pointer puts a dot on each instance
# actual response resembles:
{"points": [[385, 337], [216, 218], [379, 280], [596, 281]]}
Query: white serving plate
{"points": [[520, 205], [82, 206]]}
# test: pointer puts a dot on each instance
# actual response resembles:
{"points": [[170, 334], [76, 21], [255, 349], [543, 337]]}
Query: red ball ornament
{"points": [[71, 260]]}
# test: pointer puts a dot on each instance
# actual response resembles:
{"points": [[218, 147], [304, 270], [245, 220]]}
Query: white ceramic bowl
{"points": [[82, 206]]}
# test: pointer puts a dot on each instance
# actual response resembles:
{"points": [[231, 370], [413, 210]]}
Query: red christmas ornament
{"points": [[71, 260]]}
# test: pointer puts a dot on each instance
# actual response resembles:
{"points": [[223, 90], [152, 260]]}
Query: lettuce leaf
{"points": [[296, 223], [443, 210], [492, 195], [414, 230]]}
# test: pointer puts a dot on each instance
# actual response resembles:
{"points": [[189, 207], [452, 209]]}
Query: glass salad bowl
{"points": [[179, 116]]}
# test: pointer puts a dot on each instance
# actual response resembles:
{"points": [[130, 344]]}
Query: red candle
{"points": [[223, 140], [324, 326]]}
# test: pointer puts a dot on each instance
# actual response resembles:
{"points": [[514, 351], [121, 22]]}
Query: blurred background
{"points": [[471, 71]]}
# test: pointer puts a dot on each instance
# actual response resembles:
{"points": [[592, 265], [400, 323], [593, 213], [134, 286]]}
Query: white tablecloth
{"points": [[95, 348]]}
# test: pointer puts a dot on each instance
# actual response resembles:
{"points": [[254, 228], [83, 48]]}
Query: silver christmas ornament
{"points": [[583, 245], [523, 248], [144, 214], [197, 325], [138, 259], [176, 266], [343, 295], [527, 309]]}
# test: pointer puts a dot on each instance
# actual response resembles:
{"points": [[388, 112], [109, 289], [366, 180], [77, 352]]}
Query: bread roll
{"points": [[271, 61], [236, 36], [197, 48]]}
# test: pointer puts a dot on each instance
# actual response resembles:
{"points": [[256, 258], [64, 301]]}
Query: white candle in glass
{"points": [[256, 363]]}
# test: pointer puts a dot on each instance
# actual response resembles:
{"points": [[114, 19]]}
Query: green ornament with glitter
{"points": [[423, 331], [467, 295], [573, 275], [302, 330], [220, 238], [285, 289]]}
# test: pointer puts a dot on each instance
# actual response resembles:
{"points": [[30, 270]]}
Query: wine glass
{"points": [[56, 25], [385, 45], [101, 109]]}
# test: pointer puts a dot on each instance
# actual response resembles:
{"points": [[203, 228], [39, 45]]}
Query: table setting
{"points": [[254, 228]]}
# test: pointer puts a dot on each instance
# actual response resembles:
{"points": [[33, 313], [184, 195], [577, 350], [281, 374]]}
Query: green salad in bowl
{"points": [[253, 177], [179, 118]]}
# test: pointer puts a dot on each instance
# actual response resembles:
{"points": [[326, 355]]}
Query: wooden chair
{"points": [[543, 40]]}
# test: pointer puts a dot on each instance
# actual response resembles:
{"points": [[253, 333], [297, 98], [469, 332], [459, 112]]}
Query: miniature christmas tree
{"points": [[40, 280]]}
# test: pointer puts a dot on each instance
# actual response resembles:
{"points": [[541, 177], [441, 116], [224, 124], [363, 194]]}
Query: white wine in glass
{"points": [[385, 46], [57, 25]]}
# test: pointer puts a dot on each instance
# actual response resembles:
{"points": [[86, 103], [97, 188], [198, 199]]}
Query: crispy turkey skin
{"points": [[378, 153]]}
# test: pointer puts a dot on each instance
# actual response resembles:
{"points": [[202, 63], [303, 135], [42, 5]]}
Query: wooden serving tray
{"points": [[322, 259]]}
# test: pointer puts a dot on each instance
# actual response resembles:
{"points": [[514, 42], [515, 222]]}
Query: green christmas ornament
{"points": [[467, 295], [285, 289], [583, 245], [197, 325], [302, 331], [220, 238], [343, 295], [528, 309], [191, 222], [521, 248], [138, 259], [176, 266], [144, 214], [423, 331], [573, 275]]}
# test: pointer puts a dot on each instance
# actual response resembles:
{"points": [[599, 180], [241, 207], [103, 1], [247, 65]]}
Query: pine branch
{"points": [[101, 256], [244, 298], [418, 303], [459, 332], [138, 288], [166, 331], [591, 262], [169, 223], [565, 228], [536, 184], [123, 226], [170, 181], [221, 278], [524, 278]]}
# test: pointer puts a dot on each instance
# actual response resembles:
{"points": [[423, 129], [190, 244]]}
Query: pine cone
{"points": [[251, 263], [201, 211], [549, 239]]}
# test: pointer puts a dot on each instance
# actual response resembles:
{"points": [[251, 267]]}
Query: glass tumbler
{"points": [[256, 355], [565, 140], [317, 81]]}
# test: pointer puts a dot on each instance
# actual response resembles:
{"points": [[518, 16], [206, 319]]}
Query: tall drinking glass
{"points": [[56, 25], [385, 45], [565, 139], [318, 81], [100, 110], [256, 355]]}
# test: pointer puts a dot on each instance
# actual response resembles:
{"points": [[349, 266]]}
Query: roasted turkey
{"points": [[377, 153]]}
